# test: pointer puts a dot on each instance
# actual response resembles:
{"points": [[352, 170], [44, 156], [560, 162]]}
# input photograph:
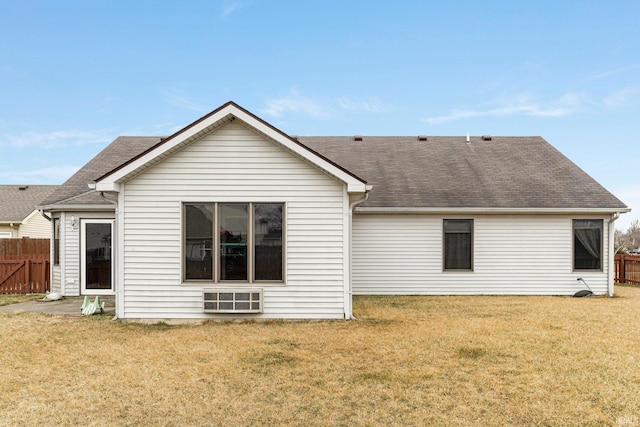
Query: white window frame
{"points": [[83, 257], [215, 245], [471, 249]]}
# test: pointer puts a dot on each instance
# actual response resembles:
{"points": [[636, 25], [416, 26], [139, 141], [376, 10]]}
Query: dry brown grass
{"points": [[407, 361], [6, 299]]}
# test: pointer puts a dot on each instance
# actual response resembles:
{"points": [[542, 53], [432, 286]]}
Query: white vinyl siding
{"points": [[232, 164], [513, 254], [35, 226], [7, 232]]}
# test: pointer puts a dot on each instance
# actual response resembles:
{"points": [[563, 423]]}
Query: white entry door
{"points": [[97, 256]]}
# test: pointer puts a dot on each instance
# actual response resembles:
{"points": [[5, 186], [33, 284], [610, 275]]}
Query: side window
{"points": [[458, 244], [587, 244], [267, 230], [56, 241], [198, 244]]}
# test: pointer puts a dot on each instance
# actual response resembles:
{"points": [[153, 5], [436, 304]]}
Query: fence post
{"points": [[27, 273], [622, 273]]}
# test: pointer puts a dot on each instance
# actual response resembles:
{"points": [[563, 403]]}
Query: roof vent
{"points": [[468, 138], [294, 137], [23, 187], [422, 137], [486, 137], [357, 138]]}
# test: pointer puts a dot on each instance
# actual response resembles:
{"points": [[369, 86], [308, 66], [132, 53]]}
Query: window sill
{"points": [[231, 284]]}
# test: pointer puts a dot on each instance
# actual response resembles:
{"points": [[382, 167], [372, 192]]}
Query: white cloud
{"points": [[230, 6], [56, 174], [612, 71], [177, 98], [64, 138], [370, 105], [295, 102], [522, 105], [622, 97]]}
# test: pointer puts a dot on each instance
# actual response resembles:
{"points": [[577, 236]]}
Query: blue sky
{"points": [[74, 75]]}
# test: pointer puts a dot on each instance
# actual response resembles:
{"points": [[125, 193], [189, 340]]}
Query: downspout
{"points": [[352, 207], [44, 215], [115, 204], [612, 254]]}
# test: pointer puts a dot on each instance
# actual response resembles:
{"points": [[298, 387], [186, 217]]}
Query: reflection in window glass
{"points": [[56, 241], [234, 224], [267, 229], [198, 244], [587, 244]]}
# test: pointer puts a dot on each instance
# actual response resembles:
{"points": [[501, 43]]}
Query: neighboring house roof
{"points": [[75, 190], [18, 201], [500, 172], [406, 172]]}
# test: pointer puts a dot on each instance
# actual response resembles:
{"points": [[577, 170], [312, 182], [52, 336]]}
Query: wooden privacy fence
{"points": [[24, 266], [627, 268], [25, 248], [24, 276]]}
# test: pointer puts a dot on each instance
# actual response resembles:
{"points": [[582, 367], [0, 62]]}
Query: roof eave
{"points": [[76, 207], [485, 210]]}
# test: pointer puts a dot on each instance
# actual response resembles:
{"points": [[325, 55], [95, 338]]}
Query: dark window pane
{"points": [[242, 296], [198, 241], [267, 228], [241, 305], [226, 296], [234, 224], [458, 244], [56, 241], [587, 244], [98, 255]]}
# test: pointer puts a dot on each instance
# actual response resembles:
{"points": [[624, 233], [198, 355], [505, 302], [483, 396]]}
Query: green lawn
{"points": [[456, 361]]}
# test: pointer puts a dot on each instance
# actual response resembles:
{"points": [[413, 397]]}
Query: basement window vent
{"points": [[232, 300], [422, 137], [357, 138], [486, 137]]}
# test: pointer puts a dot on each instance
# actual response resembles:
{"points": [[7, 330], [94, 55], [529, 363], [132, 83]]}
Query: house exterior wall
{"points": [[35, 226], [232, 164], [4, 229], [65, 278], [513, 254]]}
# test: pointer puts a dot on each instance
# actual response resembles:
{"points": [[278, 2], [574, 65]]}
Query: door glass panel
{"points": [[98, 255], [234, 225]]}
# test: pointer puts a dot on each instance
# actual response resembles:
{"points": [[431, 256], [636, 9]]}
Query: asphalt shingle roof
{"points": [[16, 204], [75, 190], [504, 172], [441, 172]]}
